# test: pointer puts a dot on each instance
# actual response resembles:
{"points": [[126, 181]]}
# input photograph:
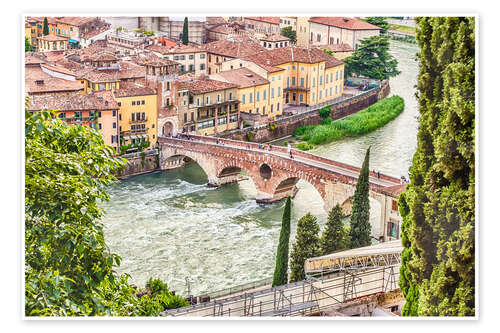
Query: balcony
{"points": [[134, 132], [296, 88], [79, 119]]}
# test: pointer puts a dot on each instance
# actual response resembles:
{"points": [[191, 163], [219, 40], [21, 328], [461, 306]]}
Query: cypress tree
{"points": [[185, 32], [280, 276], [438, 266], [360, 232], [306, 246], [45, 27], [335, 236]]}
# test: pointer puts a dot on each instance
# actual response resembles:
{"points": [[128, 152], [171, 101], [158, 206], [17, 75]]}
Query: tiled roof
{"points": [[75, 20], [47, 83], [151, 59], [349, 23], [58, 69], [101, 100], [128, 70], [283, 55], [266, 19], [395, 190], [94, 32], [275, 38], [31, 59], [53, 38], [190, 48], [215, 20], [337, 47], [130, 89], [233, 49], [205, 86], [242, 77]]}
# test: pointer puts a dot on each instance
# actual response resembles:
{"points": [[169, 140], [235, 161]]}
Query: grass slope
{"points": [[367, 120]]}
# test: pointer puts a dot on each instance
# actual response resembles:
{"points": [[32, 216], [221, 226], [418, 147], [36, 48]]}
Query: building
{"points": [[173, 29], [52, 43], [307, 76], [274, 41], [97, 110], [288, 21], [262, 25], [126, 43], [190, 58], [340, 51], [256, 94], [138, 114], [125, 22], [206, 107], [334, 30], [225, 31], [223, 50]]}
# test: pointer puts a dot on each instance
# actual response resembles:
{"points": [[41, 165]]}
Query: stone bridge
{"points": [[274, 172]]}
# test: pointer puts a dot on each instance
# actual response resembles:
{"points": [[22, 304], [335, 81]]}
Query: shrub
{"points": [[305, 146], [325, 112], [272, 126], [249, 136]]}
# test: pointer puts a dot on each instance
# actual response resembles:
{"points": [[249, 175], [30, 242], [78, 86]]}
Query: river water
{"points": [[172, 226]]}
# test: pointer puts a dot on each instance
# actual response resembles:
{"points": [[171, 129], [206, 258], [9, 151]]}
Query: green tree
{"points": [[280, 276], [185, 32], [379, 21], [438, 229], [290, 33], [306, 246], [69, 270], [335, 237], [360, 231], [372, 59], [45, 27], [27, 45]]}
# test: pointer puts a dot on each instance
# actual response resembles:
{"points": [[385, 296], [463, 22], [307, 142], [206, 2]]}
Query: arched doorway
{"points": [[168, 129]]}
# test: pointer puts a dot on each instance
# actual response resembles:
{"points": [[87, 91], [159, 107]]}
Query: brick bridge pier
{"points": [[273, 172]]}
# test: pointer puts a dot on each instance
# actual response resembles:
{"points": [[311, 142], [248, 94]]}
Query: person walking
{"points": [[378, 174]]}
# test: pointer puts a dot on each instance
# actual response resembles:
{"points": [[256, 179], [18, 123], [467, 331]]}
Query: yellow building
{"points": [[306, 76], [207, 106], [138, 114], [52, 43], [257, 95]]}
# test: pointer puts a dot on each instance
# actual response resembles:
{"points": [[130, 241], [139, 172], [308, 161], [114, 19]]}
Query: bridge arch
{"points": [[230, 171], [174, 159], [286, 186]]}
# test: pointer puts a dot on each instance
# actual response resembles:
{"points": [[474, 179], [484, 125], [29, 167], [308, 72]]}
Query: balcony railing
{"points": [[135, 131], [212, 104], [299, 88], [79, 119]]}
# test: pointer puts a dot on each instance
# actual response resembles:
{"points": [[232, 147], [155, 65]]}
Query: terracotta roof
{"points": [[349, 23], [58, 69], [128, 70], [158, 48], [75, 20], [275, 38], [151, 59], [94, 32], [205, 86], [215, 20], [395, 190], [101, 100], [266, 19], [283, 55], [129, 89], [53, 38], [31, 59], [190, 48], [37, 81], [242, 77], [337, 47], [233, 49]]}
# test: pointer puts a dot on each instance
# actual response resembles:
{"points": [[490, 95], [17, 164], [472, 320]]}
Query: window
{"points": [[272, 108], [336, 76], [264, 95], [185, 117], [243, 99], [208, 100], [313, 97], [279, 91], [100, 126], [218, 97], [272, 92], [320, 80], [293, 80], [133, 116], [143, 116], [394, 205], [320, 94], [326, 79], [143, 102], [230, 96], [202, 56], [119, 103], [202, 67], [287, 82], [314, 69], [302, 68], [114, 125], [341, 77], [221, 121], [314, 82], [293, 67], [120, 117], [133, 103], [61, 115], [182, 57], [331, 77], [114, 113], [393, 229], [330, 91], [191, 56], [301, 98], [264, 110], [335, 89], [301, 81], [272, 79], [257, 97], [250, 98]]}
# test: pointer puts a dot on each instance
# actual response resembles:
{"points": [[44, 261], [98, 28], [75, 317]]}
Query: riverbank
{"points": [[365, 121]]}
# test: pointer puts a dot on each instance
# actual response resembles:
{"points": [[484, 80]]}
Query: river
{"points": [[170, 225]]}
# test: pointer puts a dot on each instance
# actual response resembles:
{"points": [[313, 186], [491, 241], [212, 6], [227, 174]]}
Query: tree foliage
{"points": [[438, 267], [290, 33], [69, 270], [27, 45], [372, 60], [379, 21], [360, 231], [185, 32], [45, 26], [335, 237], [280, 276], [306, 246]]}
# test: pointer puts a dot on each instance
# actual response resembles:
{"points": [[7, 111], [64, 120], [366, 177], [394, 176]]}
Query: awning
{"points": [[74, 41]]}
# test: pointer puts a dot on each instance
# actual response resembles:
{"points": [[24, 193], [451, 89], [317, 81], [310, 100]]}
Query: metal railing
{"points": [[150, 152], [240, 288]]}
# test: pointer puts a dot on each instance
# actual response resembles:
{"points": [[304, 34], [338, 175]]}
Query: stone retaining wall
{"points": [[138, 165]]}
